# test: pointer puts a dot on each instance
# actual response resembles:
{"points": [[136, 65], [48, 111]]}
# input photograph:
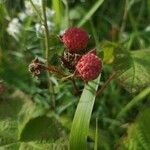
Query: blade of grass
{"points": [[81, 121], [90, 13], [56, 5], [66, 13], [96, 136], [94, 33], [134, 102]]}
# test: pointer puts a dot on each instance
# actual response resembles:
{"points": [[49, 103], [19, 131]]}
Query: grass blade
{"points": [[134, 102], [81, 121], [90, 13], [56, 5], [96, 136]]}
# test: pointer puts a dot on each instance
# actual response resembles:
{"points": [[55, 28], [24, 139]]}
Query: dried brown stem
{"points": [[111, 77], [52, 69]]}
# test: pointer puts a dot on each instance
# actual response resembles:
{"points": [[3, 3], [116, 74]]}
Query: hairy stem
{"points": [[51, 88]]}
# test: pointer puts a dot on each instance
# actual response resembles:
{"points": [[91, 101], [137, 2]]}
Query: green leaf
{"points": [[24, 125], [39, 128], [9, 108], [33, 120], [108, 49], [27, 114], [90, 13], [42, 129], [133, 69], [138, 137], [81, 121]]}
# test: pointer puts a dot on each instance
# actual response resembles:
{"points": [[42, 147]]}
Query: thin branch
{"points": [[53, 69], [111, 77]]}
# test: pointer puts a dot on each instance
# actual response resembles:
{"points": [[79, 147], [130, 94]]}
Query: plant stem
{"points": [[46, 31], [51, 88], [111, 77], [52, 69]]}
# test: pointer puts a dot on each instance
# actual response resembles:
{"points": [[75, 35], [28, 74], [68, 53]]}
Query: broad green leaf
{"points": [[42, 128], [33, 120], [81, 121], [24, 125], [138, 137], [132, 68], [90, 13], [27, 114]]}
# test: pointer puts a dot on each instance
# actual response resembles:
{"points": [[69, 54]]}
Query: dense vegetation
{"points": [[51, 112]]}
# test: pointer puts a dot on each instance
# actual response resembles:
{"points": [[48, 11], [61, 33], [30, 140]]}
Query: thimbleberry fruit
{"points": [[75, 39], [89, 67]]}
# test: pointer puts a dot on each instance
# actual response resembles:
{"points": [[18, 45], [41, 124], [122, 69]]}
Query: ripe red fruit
{"points": [[89, 67], [75, 39]]}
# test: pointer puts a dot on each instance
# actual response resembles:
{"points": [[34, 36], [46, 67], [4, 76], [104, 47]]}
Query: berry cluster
{"points": [[88, 66]]}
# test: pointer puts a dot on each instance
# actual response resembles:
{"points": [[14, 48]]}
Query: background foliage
{"points": [[39, 113]]}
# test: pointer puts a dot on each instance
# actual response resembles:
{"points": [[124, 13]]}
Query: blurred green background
{"points": [[117, 24]]}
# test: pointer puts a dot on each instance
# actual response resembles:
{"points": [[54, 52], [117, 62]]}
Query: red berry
{"points": [[75, 39], [89, 67]]}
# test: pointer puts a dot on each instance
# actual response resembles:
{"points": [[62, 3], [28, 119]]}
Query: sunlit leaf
{"points": [[108, 51]]}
